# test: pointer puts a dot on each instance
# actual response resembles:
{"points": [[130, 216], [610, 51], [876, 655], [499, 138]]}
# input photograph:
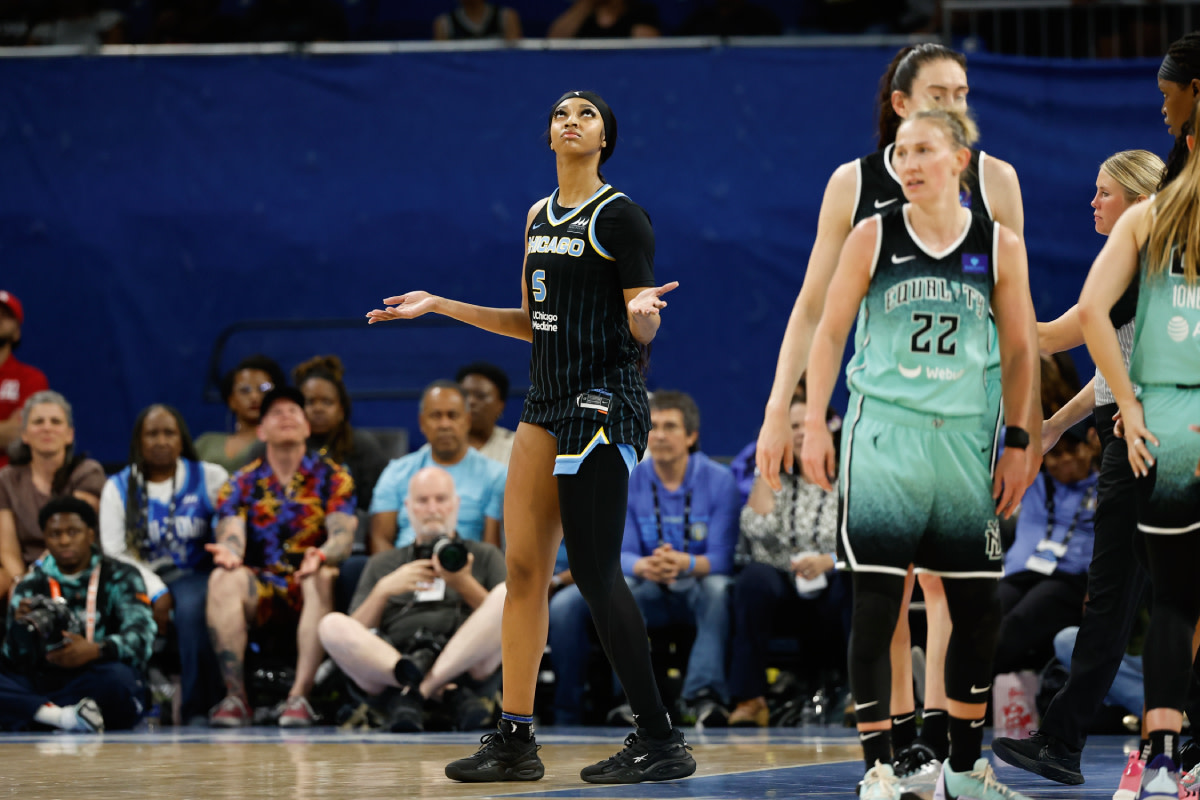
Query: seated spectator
{"points": [[477, 19], [284, 522], [18, 381], [327, 406], [732, 18], [79, 22], [243, 388], [410, 604], [743, 465], [1045, 570], [677, 555], [478, 480], [606, 19], [789, 585], [95, 679], [297, 21], [46, 465], [486, 389], [157, 515]]}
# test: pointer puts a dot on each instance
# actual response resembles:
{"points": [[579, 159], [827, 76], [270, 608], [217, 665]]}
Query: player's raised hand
{"points": [[649, 301], [403, 306]]}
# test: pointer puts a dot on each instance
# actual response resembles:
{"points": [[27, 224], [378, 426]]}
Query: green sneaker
{"points": [[978, 784]]}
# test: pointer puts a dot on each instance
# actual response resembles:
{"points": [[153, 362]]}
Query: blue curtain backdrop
{"points": [[148, 203]]}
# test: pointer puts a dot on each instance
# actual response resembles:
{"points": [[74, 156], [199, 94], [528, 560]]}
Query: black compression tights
{"points": [[592, 503], [1168, 649]]}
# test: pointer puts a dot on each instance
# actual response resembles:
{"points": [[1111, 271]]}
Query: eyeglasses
{"points": [[249, 389]]}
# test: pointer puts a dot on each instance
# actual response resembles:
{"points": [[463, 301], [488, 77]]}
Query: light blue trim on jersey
{"points": [[592, 227], [569, 464], [574, 211]]}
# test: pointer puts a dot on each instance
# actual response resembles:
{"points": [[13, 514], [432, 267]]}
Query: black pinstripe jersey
{"points": [[879, 187], [585, 360]]}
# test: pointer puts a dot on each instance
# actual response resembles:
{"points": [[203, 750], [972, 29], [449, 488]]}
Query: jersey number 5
{"points": [[539, 285], [923, 336]]}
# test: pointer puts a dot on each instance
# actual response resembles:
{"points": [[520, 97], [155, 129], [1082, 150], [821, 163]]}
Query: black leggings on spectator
{"points": [[1168, 654], [1116, 583], [592, 504]]}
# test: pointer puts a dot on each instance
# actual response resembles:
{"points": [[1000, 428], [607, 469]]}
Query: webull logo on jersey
{"points": [[563, 245], [937, 289], [932, 373]]}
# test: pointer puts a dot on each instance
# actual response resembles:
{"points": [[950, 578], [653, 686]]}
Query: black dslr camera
{"points": [[452, 553], [41, 630]]}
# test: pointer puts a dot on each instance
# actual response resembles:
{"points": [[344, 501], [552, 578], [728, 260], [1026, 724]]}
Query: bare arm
{"points": [[762, 499], [340, 542], [491, 532], [1076, 409], [1061, 334], [89, 498], [441, 27], [10, 546], [849, 286], [1111, 274], [1004, 198], [1016, 326], [643, 31], [383, 531], [833, 226], [9, 429], [571, 20], [512, 25], [513, 322]]}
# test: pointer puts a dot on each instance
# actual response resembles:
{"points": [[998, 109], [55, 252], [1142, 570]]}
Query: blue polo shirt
{"points": [[478, 480], [708, 498]]}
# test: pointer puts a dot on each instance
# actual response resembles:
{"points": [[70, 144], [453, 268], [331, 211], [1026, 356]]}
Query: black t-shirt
{"points": [[637, 13], [578, 263], [403, 616]]}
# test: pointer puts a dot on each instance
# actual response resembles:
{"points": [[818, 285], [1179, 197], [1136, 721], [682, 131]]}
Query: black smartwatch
{"points": [[1016, 437]]}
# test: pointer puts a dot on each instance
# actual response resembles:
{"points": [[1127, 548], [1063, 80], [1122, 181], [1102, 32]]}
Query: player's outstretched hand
{"points": [[649, 301], [403, 306]]}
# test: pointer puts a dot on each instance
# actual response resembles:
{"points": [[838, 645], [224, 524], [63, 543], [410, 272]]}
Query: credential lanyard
{"points": [[687, 517]]}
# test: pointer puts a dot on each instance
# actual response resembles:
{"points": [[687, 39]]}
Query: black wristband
{"points": [[1016, 437]]}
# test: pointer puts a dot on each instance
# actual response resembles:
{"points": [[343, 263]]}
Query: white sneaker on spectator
{"points": [[83, 717]]}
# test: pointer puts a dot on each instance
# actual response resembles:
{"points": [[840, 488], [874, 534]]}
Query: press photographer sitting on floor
{"points": [[80, 632], [440, 591]]}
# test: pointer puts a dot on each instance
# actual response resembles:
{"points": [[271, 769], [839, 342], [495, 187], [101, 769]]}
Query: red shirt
{"points": [[17, 382]]}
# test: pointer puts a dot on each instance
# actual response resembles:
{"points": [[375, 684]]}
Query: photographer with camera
{"points": [[80, 631], [440, 591]]}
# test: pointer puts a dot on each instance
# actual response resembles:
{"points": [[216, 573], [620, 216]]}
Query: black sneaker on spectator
{"points": [[707, 711], [499, 758], [405, 712], [469, 711], [645, 758], [621, 717], [1041, 754]]}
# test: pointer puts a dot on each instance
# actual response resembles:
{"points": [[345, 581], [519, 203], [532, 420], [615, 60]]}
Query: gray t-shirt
{"points": [[402, 617]]}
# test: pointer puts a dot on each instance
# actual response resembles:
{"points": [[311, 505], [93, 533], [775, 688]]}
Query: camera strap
{"points": [[93, 593]]}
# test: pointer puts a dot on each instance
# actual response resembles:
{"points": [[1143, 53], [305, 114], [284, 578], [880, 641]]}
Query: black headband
{"points": [[606, 114], [1172, 70]]}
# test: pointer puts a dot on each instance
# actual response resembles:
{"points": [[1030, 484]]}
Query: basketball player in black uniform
{"points": [[918, 76], [589, 307]]}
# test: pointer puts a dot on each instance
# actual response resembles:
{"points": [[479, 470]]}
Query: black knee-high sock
{"points": [[904, 730], [935, 731], [592, 503]]}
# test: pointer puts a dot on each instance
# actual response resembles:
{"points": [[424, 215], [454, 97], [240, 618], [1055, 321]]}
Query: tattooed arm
{"points": [[341, 528], [230, 547]]}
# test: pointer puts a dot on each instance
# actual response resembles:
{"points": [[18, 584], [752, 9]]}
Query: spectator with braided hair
{"points": [[327, 406], [157, 514]]}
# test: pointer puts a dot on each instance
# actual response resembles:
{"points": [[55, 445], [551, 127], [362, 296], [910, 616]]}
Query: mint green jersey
{"points": [[1166, 337], [925, 334]]}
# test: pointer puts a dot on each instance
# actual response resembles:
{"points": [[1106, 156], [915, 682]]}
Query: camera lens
{"points": [[451, 553]]}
